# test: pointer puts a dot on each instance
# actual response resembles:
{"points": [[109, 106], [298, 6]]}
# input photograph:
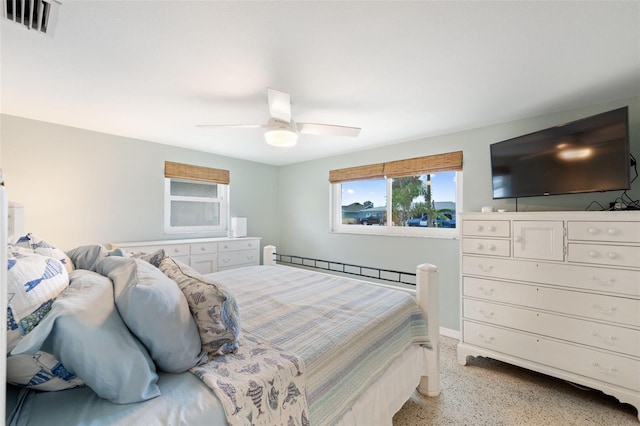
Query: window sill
{"points": [[400, 231]]}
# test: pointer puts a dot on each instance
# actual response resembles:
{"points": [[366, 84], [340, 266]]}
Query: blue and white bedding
{"points": [[347, 332], [334, 338]]}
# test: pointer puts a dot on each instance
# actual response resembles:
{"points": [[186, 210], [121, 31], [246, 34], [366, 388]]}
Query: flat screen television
{"points": [[586, 155]]}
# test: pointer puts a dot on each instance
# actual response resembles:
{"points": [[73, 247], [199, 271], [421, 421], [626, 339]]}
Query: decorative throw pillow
{"points": [[33, 282], [40, 246], [156, 311], [213, 307], [153, 258], [85, 332], [41, 371]]}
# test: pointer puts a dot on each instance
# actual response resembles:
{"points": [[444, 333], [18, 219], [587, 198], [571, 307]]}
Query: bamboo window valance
{"points": [[450, 161], [190, 172], [371, 171]]}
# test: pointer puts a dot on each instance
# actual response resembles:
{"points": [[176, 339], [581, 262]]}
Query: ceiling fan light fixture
{"points": [[281, 137]]}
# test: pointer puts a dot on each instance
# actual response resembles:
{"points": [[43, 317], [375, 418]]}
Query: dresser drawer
{"points": [[238, 258], [141, 249], [238, 245], [614, 309], [618, 339], [203, 248], [174, 250], [486, 228], [604, 366], [486, 246], [204, 263], [622, 232], [604, 254], [617, 281]]}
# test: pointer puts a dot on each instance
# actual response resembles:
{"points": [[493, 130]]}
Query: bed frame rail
{"points": [[343, 268]]}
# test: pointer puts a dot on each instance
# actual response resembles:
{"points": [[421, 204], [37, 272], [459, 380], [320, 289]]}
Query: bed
{"points": [[311, 348]]}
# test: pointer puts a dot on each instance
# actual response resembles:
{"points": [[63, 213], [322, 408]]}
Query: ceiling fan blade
{"points": [[328, 129], [246, 126], [279, 104]]}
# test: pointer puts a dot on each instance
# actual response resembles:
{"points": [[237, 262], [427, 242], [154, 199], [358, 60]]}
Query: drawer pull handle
{"points": [[613, 231], [593, 231], [491, 228], [176, 250], [487, 315], [203, 248], [607, 341], [479, 246], [485, 339], [611, 371], [479, 228], [610, 311], [491, 247], [612, 255], [487, 292], [593, 254], [485, 268], [605, 283], [517, 239]]}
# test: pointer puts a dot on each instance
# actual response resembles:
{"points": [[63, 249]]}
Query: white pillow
{"points": [[33, 283], [40, 246], [41, 371]]}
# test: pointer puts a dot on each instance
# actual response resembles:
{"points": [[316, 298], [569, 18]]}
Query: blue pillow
{"points": [[84, 331], [156, 311], [85, 257]]}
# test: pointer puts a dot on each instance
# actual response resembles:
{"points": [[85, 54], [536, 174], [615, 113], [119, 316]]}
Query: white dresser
{"points": [[205, 255], [555, 292]]}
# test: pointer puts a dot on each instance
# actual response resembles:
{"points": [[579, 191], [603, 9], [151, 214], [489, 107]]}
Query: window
{"points": [[419, 196], [195, 198]]}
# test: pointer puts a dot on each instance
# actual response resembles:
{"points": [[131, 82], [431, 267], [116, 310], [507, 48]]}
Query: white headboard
{"points": [[15, 222]]}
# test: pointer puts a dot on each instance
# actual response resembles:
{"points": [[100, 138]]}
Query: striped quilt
{"points": [[346, 332]]}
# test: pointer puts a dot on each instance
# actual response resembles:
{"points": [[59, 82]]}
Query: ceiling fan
{"points": [[282, 130]]}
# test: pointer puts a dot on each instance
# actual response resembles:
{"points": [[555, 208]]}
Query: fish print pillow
{"points": [[40, 246], [212, 305], [33, 283]]}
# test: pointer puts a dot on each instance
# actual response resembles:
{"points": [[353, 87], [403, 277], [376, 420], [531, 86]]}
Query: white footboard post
{"points": [[268, 255], [428, 296]]}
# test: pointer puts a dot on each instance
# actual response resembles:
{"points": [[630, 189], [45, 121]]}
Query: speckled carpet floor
{"points": [[493, 393]]}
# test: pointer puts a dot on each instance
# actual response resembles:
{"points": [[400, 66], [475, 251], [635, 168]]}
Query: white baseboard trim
{"points": [[447, 332]]}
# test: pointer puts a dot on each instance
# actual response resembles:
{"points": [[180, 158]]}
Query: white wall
{"points": [[82, 187], [304, 200]]}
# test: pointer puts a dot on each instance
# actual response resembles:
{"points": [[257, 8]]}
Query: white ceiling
{"points": [[399, 70]]}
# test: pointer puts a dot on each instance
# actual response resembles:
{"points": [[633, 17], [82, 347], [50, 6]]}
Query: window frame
{"points": [[336, 225], [222, 199]]}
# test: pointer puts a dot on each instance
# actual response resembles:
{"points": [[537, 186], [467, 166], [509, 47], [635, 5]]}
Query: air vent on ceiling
{"points": [[39, 15]]}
